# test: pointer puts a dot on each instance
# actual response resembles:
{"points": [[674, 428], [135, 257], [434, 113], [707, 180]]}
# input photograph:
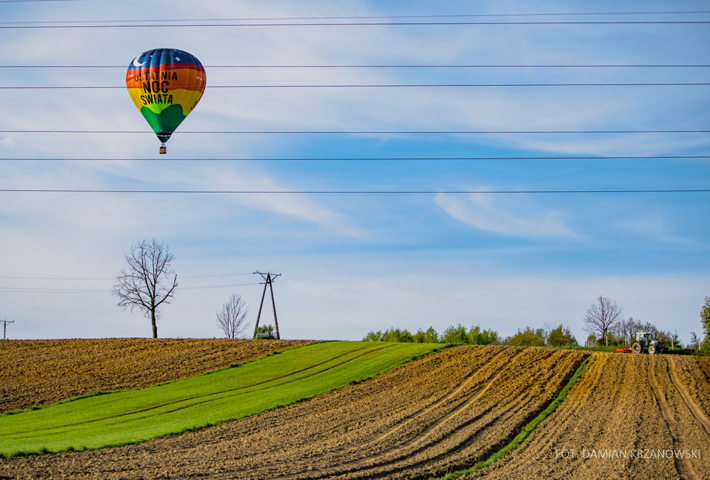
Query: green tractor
{"points": [[646, 343]]}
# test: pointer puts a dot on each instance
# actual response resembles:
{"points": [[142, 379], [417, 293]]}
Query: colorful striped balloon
{"points": [[165, 84]]}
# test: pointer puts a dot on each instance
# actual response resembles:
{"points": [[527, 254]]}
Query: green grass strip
{"points": [[527, 429], [132, 416]]}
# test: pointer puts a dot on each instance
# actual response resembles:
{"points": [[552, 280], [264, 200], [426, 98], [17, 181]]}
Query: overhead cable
{"points": [[363, 17], [345, 24], [348, 192], [355, 159], [368, 132], [2, 277], [393, 66], [379, 85], [4, 289]]}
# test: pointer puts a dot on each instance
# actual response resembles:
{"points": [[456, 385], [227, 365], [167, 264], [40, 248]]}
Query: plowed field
{"points": [[439, 413], [39, 372], [629, 416]]}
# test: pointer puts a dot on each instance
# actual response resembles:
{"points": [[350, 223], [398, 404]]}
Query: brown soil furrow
{"points": [[468, 381], [449, 436], [592, 372], [506, 424], [606, 422], [461, 449], [428, 419], [464, 447], [462, 405], [684, 466], [388, 467], [340, 451], [412, 444], [692, 406]]}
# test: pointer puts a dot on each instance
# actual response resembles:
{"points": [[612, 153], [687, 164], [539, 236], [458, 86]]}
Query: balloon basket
{"points": [[163, 149]]}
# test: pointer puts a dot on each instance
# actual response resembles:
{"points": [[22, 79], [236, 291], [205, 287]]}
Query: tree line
{"points": [[557, 336], [474, 336], [603, 321], [623, 333], [606, 326]]}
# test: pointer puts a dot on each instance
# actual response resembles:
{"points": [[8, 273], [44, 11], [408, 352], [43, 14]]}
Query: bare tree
{"points": [[602, 317], [626, 329], [146, 284], [232, 318]]}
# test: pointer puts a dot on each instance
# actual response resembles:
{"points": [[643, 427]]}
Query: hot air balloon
{"points": [[165, 84]]}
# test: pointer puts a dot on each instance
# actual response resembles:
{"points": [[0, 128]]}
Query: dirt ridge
{"points": [[628, 416], [683, 465], [689, 402]]}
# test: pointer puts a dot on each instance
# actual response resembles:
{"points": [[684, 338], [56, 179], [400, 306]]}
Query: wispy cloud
{"points": [[513, 216]]}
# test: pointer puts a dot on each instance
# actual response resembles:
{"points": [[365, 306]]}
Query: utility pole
{"points": [[268, 281], [4, 323]]}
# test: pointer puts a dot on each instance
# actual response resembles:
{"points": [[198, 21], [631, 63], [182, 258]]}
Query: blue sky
{"points": [[355, 263]]}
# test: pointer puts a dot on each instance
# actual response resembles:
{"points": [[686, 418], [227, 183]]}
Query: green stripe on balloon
{"points": [[164, 123]]}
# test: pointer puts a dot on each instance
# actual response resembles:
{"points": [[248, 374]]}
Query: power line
{"points": [[57, 278], [391, 66], [348, 192], [378, 85], [344, 24], [218, 275], [52, 290], [104, 290], [4, 289], [250, 19], [367, 132], [113, 278], [207, 287], [361, 159], [37, 1]]}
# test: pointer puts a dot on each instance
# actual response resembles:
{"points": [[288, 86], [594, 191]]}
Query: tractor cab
{"points": [[644, 337], [646, 343]]}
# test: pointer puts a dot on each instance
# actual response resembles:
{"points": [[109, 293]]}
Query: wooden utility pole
{"points": [[268, 281], [4, 323]]}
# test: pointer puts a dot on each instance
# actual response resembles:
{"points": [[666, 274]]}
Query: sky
{"points": [[456, 250]]}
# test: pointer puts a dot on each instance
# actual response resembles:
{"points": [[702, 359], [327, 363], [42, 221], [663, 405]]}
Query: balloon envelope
{"points": [[165, 84]]}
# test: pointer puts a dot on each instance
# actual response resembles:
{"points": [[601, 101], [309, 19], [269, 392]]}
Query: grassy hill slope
{"points": [[137, 415]]}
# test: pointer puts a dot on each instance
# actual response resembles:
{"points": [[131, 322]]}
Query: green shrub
{"points": [[528, 338], [430, 336], [265, 332]]}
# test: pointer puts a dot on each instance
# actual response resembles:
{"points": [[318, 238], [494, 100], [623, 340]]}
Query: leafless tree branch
{"points": [[602, 316], [232, 318], [146, 284]]}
